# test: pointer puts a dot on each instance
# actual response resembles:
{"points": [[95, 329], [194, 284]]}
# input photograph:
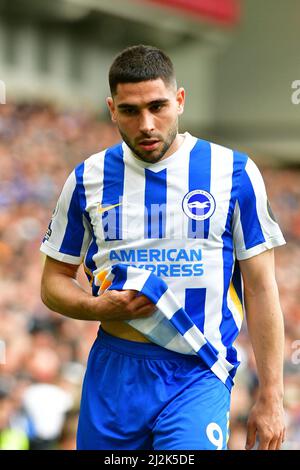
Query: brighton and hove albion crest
{"points": [[198, 204]]}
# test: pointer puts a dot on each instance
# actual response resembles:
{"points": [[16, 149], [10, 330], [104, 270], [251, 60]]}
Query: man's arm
{"points": [[61, 292], [266, 331]]}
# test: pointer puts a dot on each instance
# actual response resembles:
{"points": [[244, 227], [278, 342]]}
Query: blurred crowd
{"points": [[43, 354]]}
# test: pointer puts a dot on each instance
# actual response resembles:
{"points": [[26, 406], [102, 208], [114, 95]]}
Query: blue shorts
{"points": [[142, 396]]}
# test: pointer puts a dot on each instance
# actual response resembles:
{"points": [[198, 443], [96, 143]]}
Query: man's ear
{"points": [[112, 109], [180, 98]]}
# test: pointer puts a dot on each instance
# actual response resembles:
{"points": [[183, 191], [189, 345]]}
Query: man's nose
{"points": [[146, 122]]}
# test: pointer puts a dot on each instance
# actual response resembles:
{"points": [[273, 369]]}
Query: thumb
{"points": [[251, 435]]}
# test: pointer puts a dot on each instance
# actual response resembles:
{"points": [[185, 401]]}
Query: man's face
{"points": [[146, 114]]}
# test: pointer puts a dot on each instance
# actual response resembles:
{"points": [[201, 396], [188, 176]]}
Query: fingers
{"points": [[273, 444], [266, 424], [145, 311], [135, 299], [276, 442], [279, 443], [134, 304], [142, 306], [251, 436], [284, 435], [140, 301], [264, 443], [267, 441], [129, 295]]}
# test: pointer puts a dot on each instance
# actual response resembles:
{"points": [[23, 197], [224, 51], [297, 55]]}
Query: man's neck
{"points": [[177, 142]]}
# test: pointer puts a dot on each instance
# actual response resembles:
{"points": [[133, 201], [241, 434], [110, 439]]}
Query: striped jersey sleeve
{"points": [[255, 229], [69, 234]]}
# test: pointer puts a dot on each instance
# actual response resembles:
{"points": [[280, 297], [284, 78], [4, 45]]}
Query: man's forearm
{"points": [[65, 295], [61, 292], [266, 331], [265, 325]]}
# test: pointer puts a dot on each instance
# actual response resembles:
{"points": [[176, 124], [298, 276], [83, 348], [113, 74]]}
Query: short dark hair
{"points": [[140, 63]]}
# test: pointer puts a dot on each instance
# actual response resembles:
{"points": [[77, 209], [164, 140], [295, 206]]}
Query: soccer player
{"points": [[191, 217]]}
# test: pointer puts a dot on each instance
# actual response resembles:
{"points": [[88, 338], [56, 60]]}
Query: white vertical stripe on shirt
{"points": [[93, 184], [177, 187], [133, 223], [220, 188], [238, 234]]}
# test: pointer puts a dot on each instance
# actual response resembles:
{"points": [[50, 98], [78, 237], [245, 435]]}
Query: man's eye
{"points": [[129, 111], [157, 107]]}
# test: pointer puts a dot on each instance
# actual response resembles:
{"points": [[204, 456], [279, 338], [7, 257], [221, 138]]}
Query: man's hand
{"points": [[62, 293], [266, 422], [124, 305]]}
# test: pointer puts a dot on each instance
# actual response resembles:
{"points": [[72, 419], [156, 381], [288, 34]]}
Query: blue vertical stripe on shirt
{"points": [[155, 203], [113, 188], [228, 328], [251, 227], [74, 232], [195, 305]]}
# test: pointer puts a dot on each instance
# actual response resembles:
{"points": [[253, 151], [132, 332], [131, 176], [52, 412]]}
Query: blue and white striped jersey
{"points": [[187, 219]]}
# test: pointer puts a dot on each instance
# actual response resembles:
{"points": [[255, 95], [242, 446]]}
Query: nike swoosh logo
{"points": [[101, 209]]}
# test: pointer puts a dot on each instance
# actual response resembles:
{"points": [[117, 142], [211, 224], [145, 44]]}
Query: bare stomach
{"points": [[124, 331]]}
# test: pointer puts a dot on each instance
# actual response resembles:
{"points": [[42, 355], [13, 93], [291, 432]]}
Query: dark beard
{"points": [[167, 144]]}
